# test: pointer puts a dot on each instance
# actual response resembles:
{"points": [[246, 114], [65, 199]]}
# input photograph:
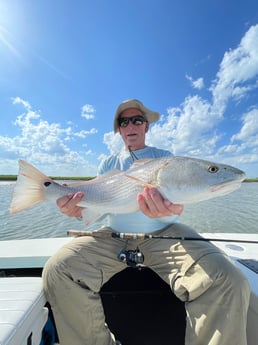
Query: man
{"points": [[215, 292]]}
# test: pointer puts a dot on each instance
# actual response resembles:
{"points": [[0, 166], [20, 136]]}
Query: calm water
{"points": [[236, 212]]}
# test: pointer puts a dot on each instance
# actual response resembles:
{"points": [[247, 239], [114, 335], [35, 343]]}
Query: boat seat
{"points": [[22, 310], [141, 309]]}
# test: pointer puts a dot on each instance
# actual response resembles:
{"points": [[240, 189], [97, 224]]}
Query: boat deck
{"points": [[145, 313]]}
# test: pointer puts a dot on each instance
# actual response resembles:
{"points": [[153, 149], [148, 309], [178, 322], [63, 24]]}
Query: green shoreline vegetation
{"points": [[83, 178], [56, 178]]}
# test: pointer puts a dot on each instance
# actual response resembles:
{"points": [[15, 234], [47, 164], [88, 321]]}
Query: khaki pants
{"points": [[215, 292]]}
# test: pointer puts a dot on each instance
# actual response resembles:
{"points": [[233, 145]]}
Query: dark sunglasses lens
{"points": [[123, 122], [136, 120]]}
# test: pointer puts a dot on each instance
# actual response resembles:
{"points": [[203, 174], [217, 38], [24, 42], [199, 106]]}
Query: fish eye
{"points": [[213, 169], [46, 184]]}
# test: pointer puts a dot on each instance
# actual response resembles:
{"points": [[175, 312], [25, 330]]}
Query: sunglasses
{"points": [[136, 120]]}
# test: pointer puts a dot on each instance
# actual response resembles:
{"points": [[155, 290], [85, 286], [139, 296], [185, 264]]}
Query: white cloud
{"points": [[19, 100], [113, 141], [88, 112], [249, 131], [238, 69], [188, 129], [42, 142], [84, 133], [196, 84]]}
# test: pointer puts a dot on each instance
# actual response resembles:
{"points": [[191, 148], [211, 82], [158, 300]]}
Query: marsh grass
{"points": [[72, 178]]}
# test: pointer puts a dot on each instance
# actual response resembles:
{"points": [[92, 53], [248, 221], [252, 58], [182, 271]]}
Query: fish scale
{"points": [[106, 195]]}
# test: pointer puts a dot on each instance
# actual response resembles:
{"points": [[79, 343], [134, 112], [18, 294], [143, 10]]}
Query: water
{"points": [[236, 212]]}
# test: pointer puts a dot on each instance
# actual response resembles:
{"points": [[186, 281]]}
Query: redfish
{"points": [[179, 179]]}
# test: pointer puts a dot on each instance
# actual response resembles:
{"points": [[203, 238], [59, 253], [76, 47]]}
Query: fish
{"points": [[179, 179]]}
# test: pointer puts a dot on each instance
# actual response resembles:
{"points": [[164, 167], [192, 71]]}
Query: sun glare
{"points": [[10, 26], [6, 42]]}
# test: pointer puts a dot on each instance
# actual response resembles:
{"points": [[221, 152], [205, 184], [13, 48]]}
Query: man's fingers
{"points": [[142, 205], [68, 204], [64, 200], [174, 208], [153, 205]]}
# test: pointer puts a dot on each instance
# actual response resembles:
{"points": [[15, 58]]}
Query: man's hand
{"points": [[153, 205], [68, 204]]}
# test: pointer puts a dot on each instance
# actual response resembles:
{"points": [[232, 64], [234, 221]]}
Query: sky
{"points": [[65, 65]]}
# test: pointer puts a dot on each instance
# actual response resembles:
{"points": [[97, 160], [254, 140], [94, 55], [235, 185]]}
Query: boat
{"points": [[139, 307]]}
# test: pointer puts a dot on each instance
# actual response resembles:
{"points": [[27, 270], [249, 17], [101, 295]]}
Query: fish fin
{"points": [[90, 216], [142, 182], [28, 190], [96, 179]]}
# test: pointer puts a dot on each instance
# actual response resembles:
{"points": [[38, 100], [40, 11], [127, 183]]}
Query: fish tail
{"points": [[29, 188]]}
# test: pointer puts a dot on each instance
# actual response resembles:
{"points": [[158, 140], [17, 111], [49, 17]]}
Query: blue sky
{"points": [[65, 65]]}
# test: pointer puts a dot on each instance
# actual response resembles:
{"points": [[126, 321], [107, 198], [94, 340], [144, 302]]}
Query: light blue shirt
{"points": [[134, 222]]}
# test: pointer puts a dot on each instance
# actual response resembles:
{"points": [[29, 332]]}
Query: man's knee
{"points": [[214, 276]]}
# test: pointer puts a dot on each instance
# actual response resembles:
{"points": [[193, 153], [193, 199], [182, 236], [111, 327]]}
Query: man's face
{"points": [[133, 134]]}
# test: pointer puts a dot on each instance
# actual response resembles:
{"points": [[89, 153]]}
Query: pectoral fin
{"points": [[140, 181], [90, 216]]}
